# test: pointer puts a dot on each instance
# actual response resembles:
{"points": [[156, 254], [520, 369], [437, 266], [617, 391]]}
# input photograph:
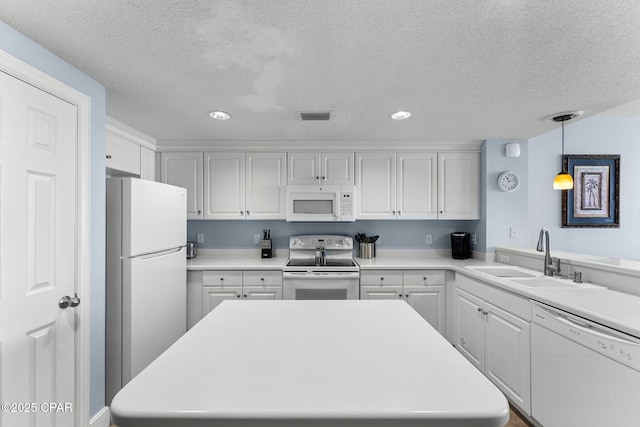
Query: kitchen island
{"points": [[310, 363]]}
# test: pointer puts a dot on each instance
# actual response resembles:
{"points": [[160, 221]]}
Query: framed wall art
{"points": [[594, 200]]}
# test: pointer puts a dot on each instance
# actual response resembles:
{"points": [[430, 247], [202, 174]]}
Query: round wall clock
{"points": [[508, 181]]}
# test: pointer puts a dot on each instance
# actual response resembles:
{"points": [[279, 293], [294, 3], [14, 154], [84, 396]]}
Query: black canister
{"points": [[460, 245]]}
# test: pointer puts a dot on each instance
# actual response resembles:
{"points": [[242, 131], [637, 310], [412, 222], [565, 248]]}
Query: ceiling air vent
{"points": [[315, 115]]}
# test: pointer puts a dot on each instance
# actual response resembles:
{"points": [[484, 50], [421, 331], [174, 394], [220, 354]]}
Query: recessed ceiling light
{"points": [[401, 115], [220, 115]]}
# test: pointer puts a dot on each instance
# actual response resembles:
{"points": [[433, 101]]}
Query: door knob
{"points": [[67, 301]]}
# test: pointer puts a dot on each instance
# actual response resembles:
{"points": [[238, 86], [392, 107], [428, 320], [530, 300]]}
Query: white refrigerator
{"points": [[146, 275]]}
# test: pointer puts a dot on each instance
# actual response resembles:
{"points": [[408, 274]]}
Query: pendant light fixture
{"points": [[564, 181]]}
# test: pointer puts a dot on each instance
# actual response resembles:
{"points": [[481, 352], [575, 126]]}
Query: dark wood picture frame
{"points": [[594, 200]]}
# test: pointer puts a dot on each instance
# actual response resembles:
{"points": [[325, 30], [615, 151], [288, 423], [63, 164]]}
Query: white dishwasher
{"points": [[582, 373]]}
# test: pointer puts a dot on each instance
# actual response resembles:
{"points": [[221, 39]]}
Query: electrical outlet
{"points": [[473, 239], [429, 239], [514, 232], [200, 238], [256, 238]]}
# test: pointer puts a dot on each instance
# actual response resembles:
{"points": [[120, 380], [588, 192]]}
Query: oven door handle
{"points": [[320, 276]]}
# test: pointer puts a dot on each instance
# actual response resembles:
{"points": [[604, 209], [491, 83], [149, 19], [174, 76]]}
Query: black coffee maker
{"points": [[460, 245]]}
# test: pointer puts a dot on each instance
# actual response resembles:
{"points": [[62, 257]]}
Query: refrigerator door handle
{"points": [[157, 254]]}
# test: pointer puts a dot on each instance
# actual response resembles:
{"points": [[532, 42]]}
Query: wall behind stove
{"points": [[393, 234]]}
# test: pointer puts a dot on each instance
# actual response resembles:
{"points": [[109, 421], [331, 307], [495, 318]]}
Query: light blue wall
{"points": [[502, 211], [35, 55], [393, 234], [594, 135]]}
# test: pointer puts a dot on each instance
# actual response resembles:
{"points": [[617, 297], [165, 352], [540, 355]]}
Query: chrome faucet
{"points": [[321, 258], [543, 245]]}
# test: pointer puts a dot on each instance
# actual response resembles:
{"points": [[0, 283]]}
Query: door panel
{"points": [[38, 225], [428, 301], [416, 186], [469, 327], [507, 359]]}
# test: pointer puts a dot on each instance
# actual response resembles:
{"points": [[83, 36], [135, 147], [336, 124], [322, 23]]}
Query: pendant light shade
{"points": [[564, 181]]}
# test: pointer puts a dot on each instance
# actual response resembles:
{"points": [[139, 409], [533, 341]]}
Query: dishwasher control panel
{"points": [[614, 344]]}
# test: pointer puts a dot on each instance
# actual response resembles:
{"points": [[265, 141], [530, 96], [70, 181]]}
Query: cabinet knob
{"points": [[406, 296], [479, 309], [323, 178], [399, 212], [424, 278], [399, 295], [221, 279], [317, 177], [441, 211], [108, 156], [237, 295], [241, 213], [382, 278], [262, 279], [393, 212], [485, 312], [248, 213], [245, 296]]}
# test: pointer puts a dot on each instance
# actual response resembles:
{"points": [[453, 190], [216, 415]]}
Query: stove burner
{"points": [[329, 263]]}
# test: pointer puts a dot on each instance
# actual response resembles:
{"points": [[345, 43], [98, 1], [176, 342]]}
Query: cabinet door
{"points": [[304, 168], [265, 185], [224, 185], [262, 292], [428, 301], [507, 355], [185, 170], [376, 185], [469, 326], [381, 292], [458, 185], [122, 155], [214, 295], [336, 168], [147, 164], [416, 185]]}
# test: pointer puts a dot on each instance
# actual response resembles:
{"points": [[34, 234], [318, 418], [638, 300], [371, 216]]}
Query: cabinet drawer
{"points": [[423, 277], [222, 278], [262, 278], [381, 277]]}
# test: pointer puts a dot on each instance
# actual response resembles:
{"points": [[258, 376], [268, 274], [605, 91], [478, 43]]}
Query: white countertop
{"points": [[614, 309], [236, 259], [288, 363]]}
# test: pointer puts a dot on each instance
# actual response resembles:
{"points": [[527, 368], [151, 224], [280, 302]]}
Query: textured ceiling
{"points": [[468, 70]]}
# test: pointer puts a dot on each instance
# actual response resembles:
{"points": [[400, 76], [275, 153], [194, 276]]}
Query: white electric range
{"points": [[321, 267]]}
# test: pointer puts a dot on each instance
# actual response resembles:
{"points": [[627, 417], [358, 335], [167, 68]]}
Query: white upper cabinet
{"points": [[241, 185], [122, 154], [399, 185], [327, 168], [129, 152], [458, 185], [416, 185], [375, 185], [185, 170], [224, 185], [265, 185], [147, 164]]}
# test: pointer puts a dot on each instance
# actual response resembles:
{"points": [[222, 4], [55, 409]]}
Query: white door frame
{"points": [[37, 78]]}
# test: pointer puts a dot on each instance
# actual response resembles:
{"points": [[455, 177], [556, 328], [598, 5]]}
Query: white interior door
{"points": [[38, 231]]}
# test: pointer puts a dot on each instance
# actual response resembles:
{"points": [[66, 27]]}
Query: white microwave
{"points": [[321, 203]]}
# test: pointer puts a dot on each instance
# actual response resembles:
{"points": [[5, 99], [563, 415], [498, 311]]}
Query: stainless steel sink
{"points": [[504, 271]]}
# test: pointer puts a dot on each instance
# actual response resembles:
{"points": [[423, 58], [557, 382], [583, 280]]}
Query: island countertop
{"points": [[312, 363]]}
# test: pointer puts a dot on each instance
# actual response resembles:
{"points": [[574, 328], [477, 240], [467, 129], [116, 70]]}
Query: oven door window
{"points": [[313, 206]]}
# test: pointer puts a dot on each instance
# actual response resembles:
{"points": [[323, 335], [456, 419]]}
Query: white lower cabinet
{"points": [[494, 340], [206, 289], [424, 290]]}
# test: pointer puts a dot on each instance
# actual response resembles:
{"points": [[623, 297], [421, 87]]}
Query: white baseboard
{"points": [[102, 418]]}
